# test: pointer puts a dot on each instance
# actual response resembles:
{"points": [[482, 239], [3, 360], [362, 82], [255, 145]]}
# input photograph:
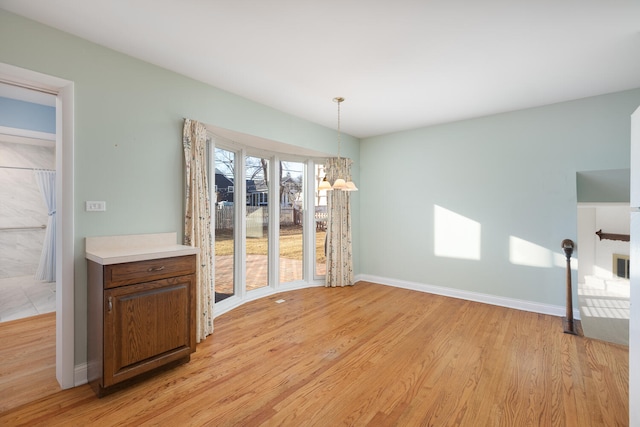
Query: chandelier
{"points": [[340, 183]]}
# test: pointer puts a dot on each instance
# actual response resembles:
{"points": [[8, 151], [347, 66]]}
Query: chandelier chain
{"points": [[339, 99], [339, 134]]}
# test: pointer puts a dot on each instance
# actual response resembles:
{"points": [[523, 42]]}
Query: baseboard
{"points": [[80, 374], [532, 306]]}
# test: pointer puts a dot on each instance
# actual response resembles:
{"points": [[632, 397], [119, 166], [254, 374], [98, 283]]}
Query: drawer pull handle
{"points": [[110, 305], [151, 269]]}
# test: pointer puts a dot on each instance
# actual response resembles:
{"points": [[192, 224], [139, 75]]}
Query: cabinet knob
{"points": [[109, 305], [151, 269]]}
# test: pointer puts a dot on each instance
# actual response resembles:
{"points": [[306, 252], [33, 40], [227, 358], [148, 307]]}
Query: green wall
{"points": [[512, 176], [128, 135]]}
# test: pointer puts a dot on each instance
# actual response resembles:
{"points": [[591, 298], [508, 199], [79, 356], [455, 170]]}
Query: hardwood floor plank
{"points": [[27, 360], [367, 355]]}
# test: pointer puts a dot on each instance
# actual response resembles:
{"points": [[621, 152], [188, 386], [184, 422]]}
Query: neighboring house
{"points": [[224, 188], [290, 190], [257, 193]]}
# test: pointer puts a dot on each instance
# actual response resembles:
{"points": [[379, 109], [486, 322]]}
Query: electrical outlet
{"points": [[95, 206]]}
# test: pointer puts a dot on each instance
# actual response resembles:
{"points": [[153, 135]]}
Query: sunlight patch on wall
{"points": [[455, 236], [560, 260], [523, 252]]}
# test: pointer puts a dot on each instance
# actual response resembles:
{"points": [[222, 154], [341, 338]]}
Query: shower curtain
{"points": [[47, 267]]}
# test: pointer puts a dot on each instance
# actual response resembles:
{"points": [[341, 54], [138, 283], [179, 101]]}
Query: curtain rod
{"points": [[35, 227], [25, 85], [29, 169]]}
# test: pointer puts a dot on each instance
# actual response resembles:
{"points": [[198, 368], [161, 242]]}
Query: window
{"points": [[224, 228], [264, 240], [621, 265], [257, 222], [320, 220], [291, 221]]}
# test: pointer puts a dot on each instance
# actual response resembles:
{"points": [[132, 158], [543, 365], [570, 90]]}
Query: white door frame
{"points": [[65, 328]]}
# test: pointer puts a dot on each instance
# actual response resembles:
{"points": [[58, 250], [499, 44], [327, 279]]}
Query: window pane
{"points": [[224, 246], [291, 203], [257, 242]]}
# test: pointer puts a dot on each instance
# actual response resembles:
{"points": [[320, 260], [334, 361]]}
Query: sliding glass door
{"points": [[320, 220], [291, 224], [267, 230], [223, 201], [257, 222]]}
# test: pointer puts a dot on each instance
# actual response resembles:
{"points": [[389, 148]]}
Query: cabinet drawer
{"points": [[145, 271]]}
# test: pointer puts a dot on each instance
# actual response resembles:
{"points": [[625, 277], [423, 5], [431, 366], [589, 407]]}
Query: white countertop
{"points": [[108, 250]]}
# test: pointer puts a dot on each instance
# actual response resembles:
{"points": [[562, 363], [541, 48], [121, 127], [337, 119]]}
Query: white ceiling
{"points": [[400, 64]]}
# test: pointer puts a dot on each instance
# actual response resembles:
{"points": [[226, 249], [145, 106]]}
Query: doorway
{"points": [[603, 290], [27, 233], [222, 201], [63, 92]]}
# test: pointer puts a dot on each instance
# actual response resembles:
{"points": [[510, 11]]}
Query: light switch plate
{"points": [[95, 206]]}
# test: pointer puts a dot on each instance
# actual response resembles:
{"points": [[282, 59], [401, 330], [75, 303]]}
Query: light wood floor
{"points": [[368, 355], [27, 360]]}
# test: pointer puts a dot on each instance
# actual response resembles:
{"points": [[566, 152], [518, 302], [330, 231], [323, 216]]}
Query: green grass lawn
{"points": [[290, 243]]}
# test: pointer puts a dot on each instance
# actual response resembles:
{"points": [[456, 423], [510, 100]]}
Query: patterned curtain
{"points": [[339, 256], [197, 221]]}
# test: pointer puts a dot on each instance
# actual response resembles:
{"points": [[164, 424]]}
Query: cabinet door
{"points": [[147, 325]]}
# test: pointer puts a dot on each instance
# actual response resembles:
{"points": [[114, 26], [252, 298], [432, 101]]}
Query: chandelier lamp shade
{"points": [[339, 183]]}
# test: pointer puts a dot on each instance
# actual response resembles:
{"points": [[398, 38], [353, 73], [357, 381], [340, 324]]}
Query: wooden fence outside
{"points": [[259, 216]]}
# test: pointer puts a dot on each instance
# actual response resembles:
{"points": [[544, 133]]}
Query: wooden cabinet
{"points": [[141, 317]]}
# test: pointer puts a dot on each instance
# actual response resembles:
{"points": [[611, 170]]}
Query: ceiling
{"points": [[399, 64]]}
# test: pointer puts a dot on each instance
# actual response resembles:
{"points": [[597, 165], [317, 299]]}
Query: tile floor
{"points": [[25, 296]]}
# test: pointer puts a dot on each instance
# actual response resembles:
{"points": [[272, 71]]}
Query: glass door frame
{"points": [[307, 221], [273, 212], [238, 218]]}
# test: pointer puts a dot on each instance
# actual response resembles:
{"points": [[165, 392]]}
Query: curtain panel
{"points": [[339, 255], [197, 221], [47, 266]]}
